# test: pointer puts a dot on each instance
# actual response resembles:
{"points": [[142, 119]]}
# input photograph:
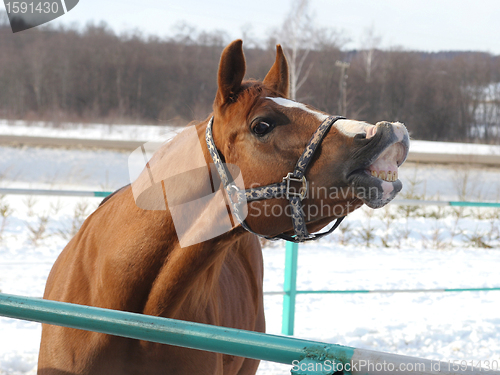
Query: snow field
{"points": [[445, 326], [427, 248]]}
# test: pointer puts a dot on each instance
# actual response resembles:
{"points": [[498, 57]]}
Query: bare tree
{"points": [[300, 36], [342, 104], [297, 35], [369, 44]]}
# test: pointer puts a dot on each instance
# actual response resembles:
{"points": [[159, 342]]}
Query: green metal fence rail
{"points": [[67, 193], [289, 288], [302, 355], [418, 202], [385, 291], [290, 291]]}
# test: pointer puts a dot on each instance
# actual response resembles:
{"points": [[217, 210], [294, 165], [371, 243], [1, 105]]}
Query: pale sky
{"points": [[426, 25]]}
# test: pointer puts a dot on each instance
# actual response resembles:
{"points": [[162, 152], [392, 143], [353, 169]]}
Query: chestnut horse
{"points": [[129, 258]]}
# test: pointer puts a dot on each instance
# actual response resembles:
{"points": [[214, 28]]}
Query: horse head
{"points": [[256, 127]]}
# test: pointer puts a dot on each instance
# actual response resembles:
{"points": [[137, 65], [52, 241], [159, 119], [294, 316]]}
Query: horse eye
{"points": [[261, 128]]}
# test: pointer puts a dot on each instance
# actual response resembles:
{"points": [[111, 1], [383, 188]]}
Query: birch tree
{"points": [[370, 42], [297, 35]]}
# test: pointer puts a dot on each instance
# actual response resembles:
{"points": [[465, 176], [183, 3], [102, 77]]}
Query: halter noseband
{"points": [[278, 190]]}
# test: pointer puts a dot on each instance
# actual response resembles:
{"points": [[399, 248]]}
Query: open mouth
{"points": [[385, 167], [376, 182]]}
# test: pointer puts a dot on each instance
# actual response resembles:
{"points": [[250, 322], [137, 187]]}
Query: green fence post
{"points": [[290, 288]]}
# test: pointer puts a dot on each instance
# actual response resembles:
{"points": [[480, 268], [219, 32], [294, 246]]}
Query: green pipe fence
{"points": [[306, 357], [67, 193], [418, 202], [162, 330], [289, 288], [291, 253], [387, 291], [290, 291], [291, 261]]}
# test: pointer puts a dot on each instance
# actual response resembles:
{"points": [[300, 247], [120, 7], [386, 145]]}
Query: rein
{"points": [[238, 197]]}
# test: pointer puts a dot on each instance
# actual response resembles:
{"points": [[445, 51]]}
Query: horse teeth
{"points": [[389, 176]]}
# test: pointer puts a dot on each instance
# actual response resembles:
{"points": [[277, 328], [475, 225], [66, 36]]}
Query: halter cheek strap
{"points": [[283, 189]]}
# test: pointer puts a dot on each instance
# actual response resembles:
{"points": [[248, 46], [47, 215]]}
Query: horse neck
{"points": [[194, 263], [190, 276]]}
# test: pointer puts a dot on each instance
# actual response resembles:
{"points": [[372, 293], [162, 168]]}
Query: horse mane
{"points": [[252, 88]]}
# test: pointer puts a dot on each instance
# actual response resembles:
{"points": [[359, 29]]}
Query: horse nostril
{"points": [[371, 131]]}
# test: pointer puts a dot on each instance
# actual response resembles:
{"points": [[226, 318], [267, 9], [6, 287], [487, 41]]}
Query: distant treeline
{"points": [[94, 75]]}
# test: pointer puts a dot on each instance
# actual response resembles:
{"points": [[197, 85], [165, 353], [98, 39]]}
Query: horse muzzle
{"points": [[374, 174]]}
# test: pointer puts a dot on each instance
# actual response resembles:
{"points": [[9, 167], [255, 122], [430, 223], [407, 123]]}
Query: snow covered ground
{"points": [[87, 131], [411, 249]]}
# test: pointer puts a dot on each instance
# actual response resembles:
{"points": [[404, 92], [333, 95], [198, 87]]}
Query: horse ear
{"points": [[278, 78], [231, 72]]}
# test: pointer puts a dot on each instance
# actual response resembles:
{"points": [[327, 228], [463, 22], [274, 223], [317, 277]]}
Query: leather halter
{"points": [[283, 189]]}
